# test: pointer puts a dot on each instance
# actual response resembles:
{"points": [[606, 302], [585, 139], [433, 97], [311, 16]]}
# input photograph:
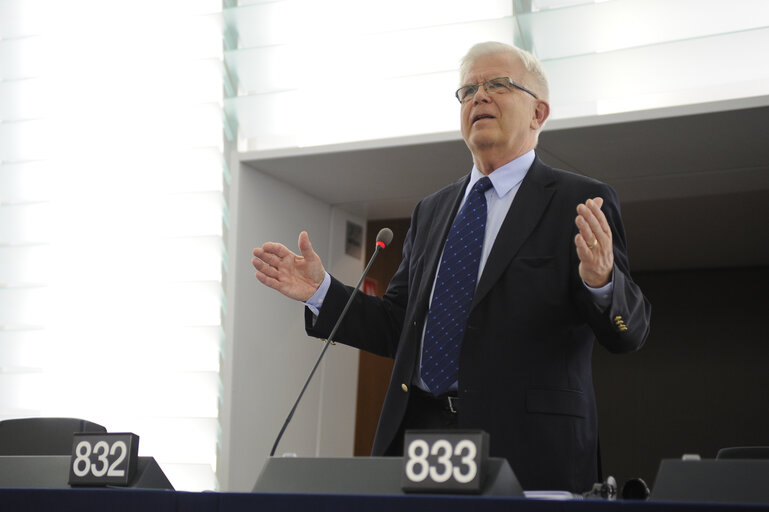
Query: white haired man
{"points": [[547, 274]]}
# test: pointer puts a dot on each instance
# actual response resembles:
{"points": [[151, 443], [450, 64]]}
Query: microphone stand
{"points": [[383, 239]]}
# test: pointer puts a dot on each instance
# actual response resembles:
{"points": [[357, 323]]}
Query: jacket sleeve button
{"points": [[404, 387]]}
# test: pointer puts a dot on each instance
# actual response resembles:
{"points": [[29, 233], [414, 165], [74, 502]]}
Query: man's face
{"points": [[505, 123]]}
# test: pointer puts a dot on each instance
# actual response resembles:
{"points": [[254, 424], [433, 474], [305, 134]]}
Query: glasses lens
{"points": [[466, 92], [498, 84]]}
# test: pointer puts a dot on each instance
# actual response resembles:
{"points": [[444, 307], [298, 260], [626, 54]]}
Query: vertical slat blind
{"points": [[111, 206]]}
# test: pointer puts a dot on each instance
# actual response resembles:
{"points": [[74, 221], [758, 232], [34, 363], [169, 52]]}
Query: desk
{"points": [[120, 500]]}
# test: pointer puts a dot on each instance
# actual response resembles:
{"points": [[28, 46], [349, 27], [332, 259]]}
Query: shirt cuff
{"points": [[316, 301], [602, 296]]}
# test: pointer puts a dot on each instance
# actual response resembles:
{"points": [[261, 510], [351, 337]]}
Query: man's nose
{"points": [[481, 95]]}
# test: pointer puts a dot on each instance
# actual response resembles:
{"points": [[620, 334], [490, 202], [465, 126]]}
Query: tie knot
{"points": [[482, 185]]}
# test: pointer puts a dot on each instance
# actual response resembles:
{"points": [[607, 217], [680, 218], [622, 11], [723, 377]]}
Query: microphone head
{"points": [[384, 237]]}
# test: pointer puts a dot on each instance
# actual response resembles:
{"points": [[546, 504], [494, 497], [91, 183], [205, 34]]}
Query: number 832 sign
{"points": [[451, 461], [103, 459]]}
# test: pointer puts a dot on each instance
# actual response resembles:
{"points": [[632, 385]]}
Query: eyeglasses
{"points": [[499, 85]]}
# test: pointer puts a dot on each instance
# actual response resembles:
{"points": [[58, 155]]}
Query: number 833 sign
{"points": [[450, 461]]}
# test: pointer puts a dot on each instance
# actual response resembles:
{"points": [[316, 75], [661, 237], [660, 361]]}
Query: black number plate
{"points": [[103, 459], [451, 461]]}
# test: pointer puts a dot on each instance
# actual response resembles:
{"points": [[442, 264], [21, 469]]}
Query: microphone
{"points": [[383, 239]]}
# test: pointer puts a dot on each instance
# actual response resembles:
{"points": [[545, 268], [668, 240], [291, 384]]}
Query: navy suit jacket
{"points": [[525, 365]]}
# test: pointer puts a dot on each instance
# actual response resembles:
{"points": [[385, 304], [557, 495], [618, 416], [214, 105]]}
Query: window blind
{"points": [[111, 178]]}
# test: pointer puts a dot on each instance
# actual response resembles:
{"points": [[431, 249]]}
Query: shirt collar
{"points": [[504, 178]]}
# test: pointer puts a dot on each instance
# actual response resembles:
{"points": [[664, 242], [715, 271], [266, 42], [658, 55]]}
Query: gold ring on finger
{"points": [[594, 244]]}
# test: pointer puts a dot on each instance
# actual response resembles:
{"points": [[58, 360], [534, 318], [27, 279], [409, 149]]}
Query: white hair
{"points": [[536, 79]]}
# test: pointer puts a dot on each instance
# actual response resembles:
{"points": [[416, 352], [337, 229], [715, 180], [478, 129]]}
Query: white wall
{"points": [[267, 355], [336, 430]]}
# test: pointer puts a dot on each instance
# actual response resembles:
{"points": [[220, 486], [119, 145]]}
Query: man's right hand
{"points": [[297, 277]]}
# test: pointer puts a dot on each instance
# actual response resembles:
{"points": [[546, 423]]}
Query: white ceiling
{"points": [[693, 180]]}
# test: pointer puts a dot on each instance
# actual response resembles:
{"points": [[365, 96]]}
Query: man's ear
{"points": [[541, 113]]}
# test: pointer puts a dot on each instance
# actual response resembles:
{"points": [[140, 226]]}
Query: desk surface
{"points": [[118, 500]]}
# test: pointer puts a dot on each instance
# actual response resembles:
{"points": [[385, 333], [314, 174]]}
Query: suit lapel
{"points": [[440, 221], [529, 205]]}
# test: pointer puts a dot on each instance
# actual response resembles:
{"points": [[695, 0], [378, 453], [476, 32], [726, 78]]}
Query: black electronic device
{"points": [[712, 480], [362, 475], [52, 472], [42, 436]]}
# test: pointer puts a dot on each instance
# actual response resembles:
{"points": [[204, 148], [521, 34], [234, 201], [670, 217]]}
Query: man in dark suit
{"points": [[549, 283]]}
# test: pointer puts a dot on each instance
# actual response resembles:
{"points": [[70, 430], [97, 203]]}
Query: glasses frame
{"points": [[486, 88]]}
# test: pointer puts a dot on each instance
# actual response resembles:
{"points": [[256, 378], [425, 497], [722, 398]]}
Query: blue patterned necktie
{"points": [[454, 290]]}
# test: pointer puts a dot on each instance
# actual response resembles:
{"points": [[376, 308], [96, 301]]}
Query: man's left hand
{"points": [[594, 243]]}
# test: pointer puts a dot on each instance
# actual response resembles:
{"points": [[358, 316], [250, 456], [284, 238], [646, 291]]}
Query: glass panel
{"points": [[265, 121], [307, 112], [543, 5], [607, 26], [309, 118], [370, 58], [664, 75], [308, 22]]}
